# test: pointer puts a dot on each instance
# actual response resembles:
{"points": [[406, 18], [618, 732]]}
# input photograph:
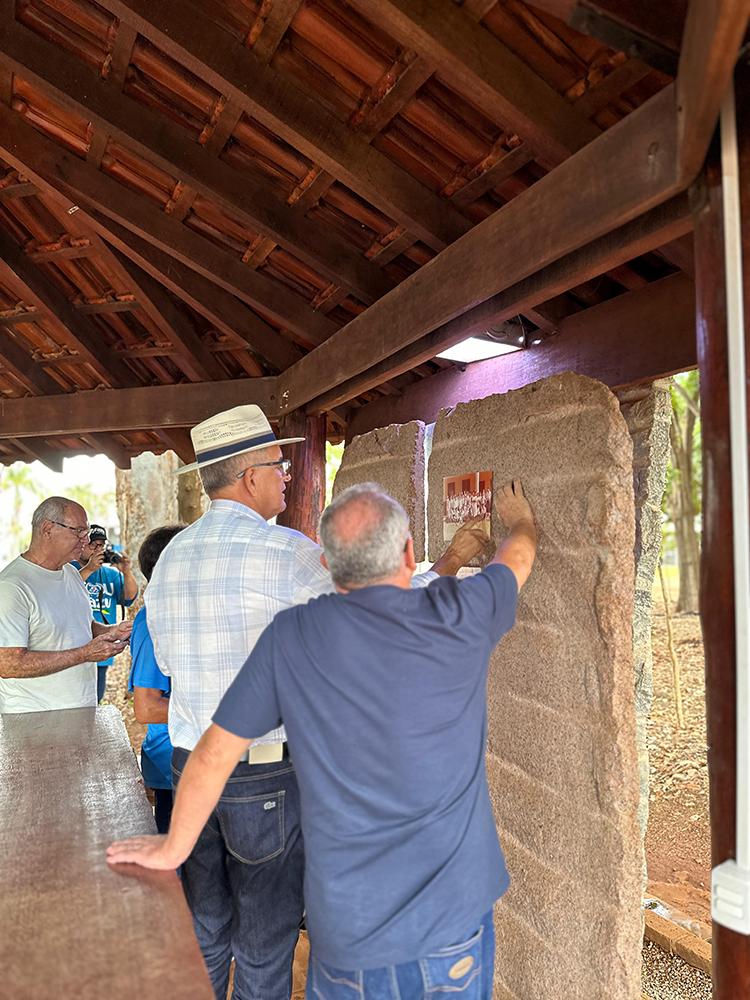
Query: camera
{"points": [[110, 556]]}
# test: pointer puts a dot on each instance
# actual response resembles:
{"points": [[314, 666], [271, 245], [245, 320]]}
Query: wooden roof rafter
{"points": [[196, 167], [277, 103]]}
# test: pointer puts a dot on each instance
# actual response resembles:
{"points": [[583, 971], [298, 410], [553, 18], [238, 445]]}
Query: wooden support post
{"points": [[306, 493], [731, 951]]}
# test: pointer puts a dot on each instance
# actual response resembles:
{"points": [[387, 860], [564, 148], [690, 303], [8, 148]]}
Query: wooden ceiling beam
{"points": [[23, 189], [107, 445], [194, 357], [220, 308], [714, 31], [638, 158], [663, 223], [636, 337], [37, 450], [56, 169], [179, 441], [266, 36], [182, 31], [29, 373], [142, 408], [487, 73], [47, 298], [253, 202]]}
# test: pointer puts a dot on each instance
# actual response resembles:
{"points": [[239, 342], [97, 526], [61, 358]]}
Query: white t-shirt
{"points": [[45, 610]]}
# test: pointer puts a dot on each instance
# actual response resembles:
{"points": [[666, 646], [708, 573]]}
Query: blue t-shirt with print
{"points": [[383, 695], [106, 590], [156, 750]]}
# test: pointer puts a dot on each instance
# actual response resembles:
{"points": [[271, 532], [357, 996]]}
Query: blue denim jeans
{"points": [[462, 971], [243, 881]]}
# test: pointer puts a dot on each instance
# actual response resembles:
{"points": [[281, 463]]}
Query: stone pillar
{"points": [[562, 762], [647, 411], [393, 457], [146, 499]]}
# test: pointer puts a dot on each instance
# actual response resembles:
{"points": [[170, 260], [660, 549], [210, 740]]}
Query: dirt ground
{"points": [[678, 842]]}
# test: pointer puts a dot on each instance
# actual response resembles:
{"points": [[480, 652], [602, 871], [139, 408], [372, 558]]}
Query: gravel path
{"points": [[667, 977]]}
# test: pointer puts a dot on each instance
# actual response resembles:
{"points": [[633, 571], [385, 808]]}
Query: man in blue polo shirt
{"points": [[108, 587], [382, 690]]}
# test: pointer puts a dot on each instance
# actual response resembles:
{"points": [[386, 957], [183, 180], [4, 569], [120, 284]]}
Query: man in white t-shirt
{"points": [[49, 643]]}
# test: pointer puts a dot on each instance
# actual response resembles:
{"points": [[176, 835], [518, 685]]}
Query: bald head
{"points": [[364, 534], [53, 509]]}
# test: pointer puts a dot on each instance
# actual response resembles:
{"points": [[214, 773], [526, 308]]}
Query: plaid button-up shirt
{"points": [[214, 589]]}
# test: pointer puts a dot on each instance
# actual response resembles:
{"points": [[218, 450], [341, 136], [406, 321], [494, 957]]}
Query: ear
{"points": [[409, 561], [323, 560]]}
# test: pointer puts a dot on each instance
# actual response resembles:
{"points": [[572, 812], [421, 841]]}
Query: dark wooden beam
{"points": [[29, 373], [224, 311], [76, 85], [51, 254], [181, 30], [179, 441], [306, 492], [665, 222], [637, 157], [23, 189], [714, 31], [486, 72], [636, 337], [272, 28], [52, 167], [107, 445], [194, 357], [144, 408], [37, 450], [637, 27], [49, 299], [730, 951]]}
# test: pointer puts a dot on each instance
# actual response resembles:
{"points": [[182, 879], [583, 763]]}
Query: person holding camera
{"points": [[49, 642], [109, 580]]}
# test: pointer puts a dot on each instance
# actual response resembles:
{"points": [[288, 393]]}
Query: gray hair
{"points": [[364, 533], [51, 509], [219, 475]]}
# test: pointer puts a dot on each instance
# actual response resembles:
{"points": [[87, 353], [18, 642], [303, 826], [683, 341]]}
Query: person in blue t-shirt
{"points": [[151, 689], [108, 587], [383, 692]]}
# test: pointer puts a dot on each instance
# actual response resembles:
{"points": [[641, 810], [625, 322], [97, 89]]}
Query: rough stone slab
{"points": [[562, 764], [393, 457], [648, 412]]}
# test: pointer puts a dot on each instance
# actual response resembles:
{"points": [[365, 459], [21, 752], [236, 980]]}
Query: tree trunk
{"points": [[683, 514]]}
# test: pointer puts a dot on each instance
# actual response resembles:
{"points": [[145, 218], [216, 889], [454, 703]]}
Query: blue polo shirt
{"points": [[106, 589], [156, 749], [383, 695]]}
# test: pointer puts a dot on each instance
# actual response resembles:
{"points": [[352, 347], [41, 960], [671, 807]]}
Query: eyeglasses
{"points": [[284, 465], [81, 532]]}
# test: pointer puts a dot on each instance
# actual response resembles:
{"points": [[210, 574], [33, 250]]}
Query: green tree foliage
{"points": [[684, 485]]}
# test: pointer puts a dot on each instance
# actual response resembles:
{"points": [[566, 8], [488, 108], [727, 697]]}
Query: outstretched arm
{"points": [[518, 550], [206, 772]]}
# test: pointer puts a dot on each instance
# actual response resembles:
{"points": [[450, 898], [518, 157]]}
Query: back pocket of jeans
{"points": [[253, 828], [455, 971]]}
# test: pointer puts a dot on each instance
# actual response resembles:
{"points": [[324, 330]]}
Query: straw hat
{"points": [[233, 432]]}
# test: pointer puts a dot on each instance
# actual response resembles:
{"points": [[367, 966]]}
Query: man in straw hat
{"points": [[216, 587]]}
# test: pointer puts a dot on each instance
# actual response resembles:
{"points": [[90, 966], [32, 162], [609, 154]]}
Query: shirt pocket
{"points": [[253, 827], [455, 971]]}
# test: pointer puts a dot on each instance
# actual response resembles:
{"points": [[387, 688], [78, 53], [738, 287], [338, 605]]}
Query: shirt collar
{"points": [[233, 507]]}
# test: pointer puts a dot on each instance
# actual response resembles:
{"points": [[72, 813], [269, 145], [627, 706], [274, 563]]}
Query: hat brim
{"points": [[257, 447]]}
